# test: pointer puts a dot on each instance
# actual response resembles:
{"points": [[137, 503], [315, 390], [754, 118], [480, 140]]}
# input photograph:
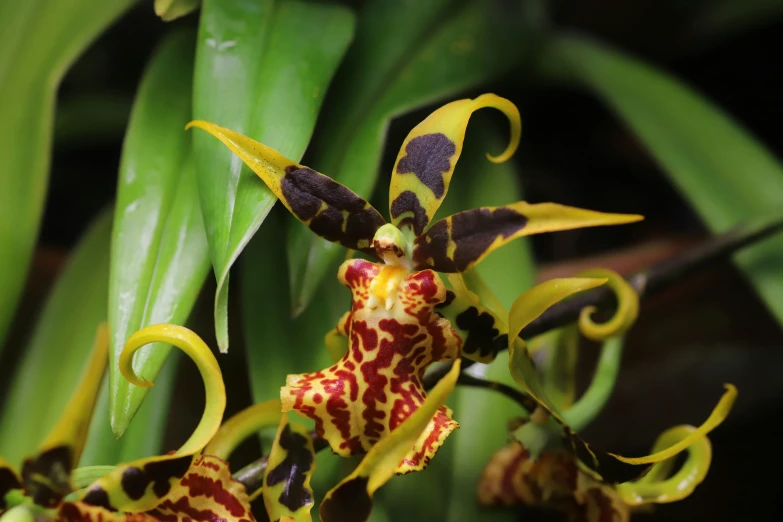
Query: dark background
{"points": [[689, 340]]}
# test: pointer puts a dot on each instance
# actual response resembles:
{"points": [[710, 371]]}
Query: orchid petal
{"points": [[141, 485], [287, 490], [328, 208], [351, 499], [424, 166], [460, 241], [395, 334], [658, 486]]}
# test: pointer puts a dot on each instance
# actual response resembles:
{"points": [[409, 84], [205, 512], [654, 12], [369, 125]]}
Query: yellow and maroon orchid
{"points": [[402, 317], [181, 485], [556, 481]]}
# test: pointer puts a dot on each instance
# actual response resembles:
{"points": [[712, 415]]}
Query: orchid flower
{"points": [[549, 465], [181, 485], [555, 480], [402, 318]]}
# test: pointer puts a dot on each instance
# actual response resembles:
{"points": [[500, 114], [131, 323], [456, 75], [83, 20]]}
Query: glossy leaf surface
{"points": [[159, 249], [726, 175], [406, 55], [60, 346], [38, 42], [262, 69]]}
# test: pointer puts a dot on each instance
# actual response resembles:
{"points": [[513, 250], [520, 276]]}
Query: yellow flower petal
{"points": [[328, 208], [461, 241], [426, 161], [287, 490], [142, 485]]}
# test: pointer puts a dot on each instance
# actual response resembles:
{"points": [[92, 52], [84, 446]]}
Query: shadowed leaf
{"points": [[725, 174], [38, 42]]}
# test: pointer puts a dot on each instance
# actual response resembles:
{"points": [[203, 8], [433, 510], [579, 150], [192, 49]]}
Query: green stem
{"points": [[594, 399]]}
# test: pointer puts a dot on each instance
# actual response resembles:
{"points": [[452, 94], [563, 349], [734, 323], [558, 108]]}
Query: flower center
{"points": [[391, 245]]}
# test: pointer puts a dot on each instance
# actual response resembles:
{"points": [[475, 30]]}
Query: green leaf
{"points": [[407, 55], [262, 69], [725, 174], [144, 437], [64, 334], [159, 249], [38, 41], [169, 10]]}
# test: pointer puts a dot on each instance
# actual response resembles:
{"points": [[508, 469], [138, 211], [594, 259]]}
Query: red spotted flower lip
{"points": [[394, 335]]}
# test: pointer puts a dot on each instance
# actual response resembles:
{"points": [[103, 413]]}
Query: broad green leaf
{"points": [[262, 69], [38, 41], [725, 174], [64, 334], [407, 54], [159, 250]]}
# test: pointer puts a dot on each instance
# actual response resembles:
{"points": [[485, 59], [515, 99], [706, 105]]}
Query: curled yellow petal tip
{"points": [[623, 318], [190, 343], [718, 415], [512, 113]]}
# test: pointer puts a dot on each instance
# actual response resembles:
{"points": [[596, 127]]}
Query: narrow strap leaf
{"points": [[328, 208], [143, 484], [351, 499], [47, 475], [461, 241], [658, 486], [287, 490], [424, 166], [243, 425]]}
